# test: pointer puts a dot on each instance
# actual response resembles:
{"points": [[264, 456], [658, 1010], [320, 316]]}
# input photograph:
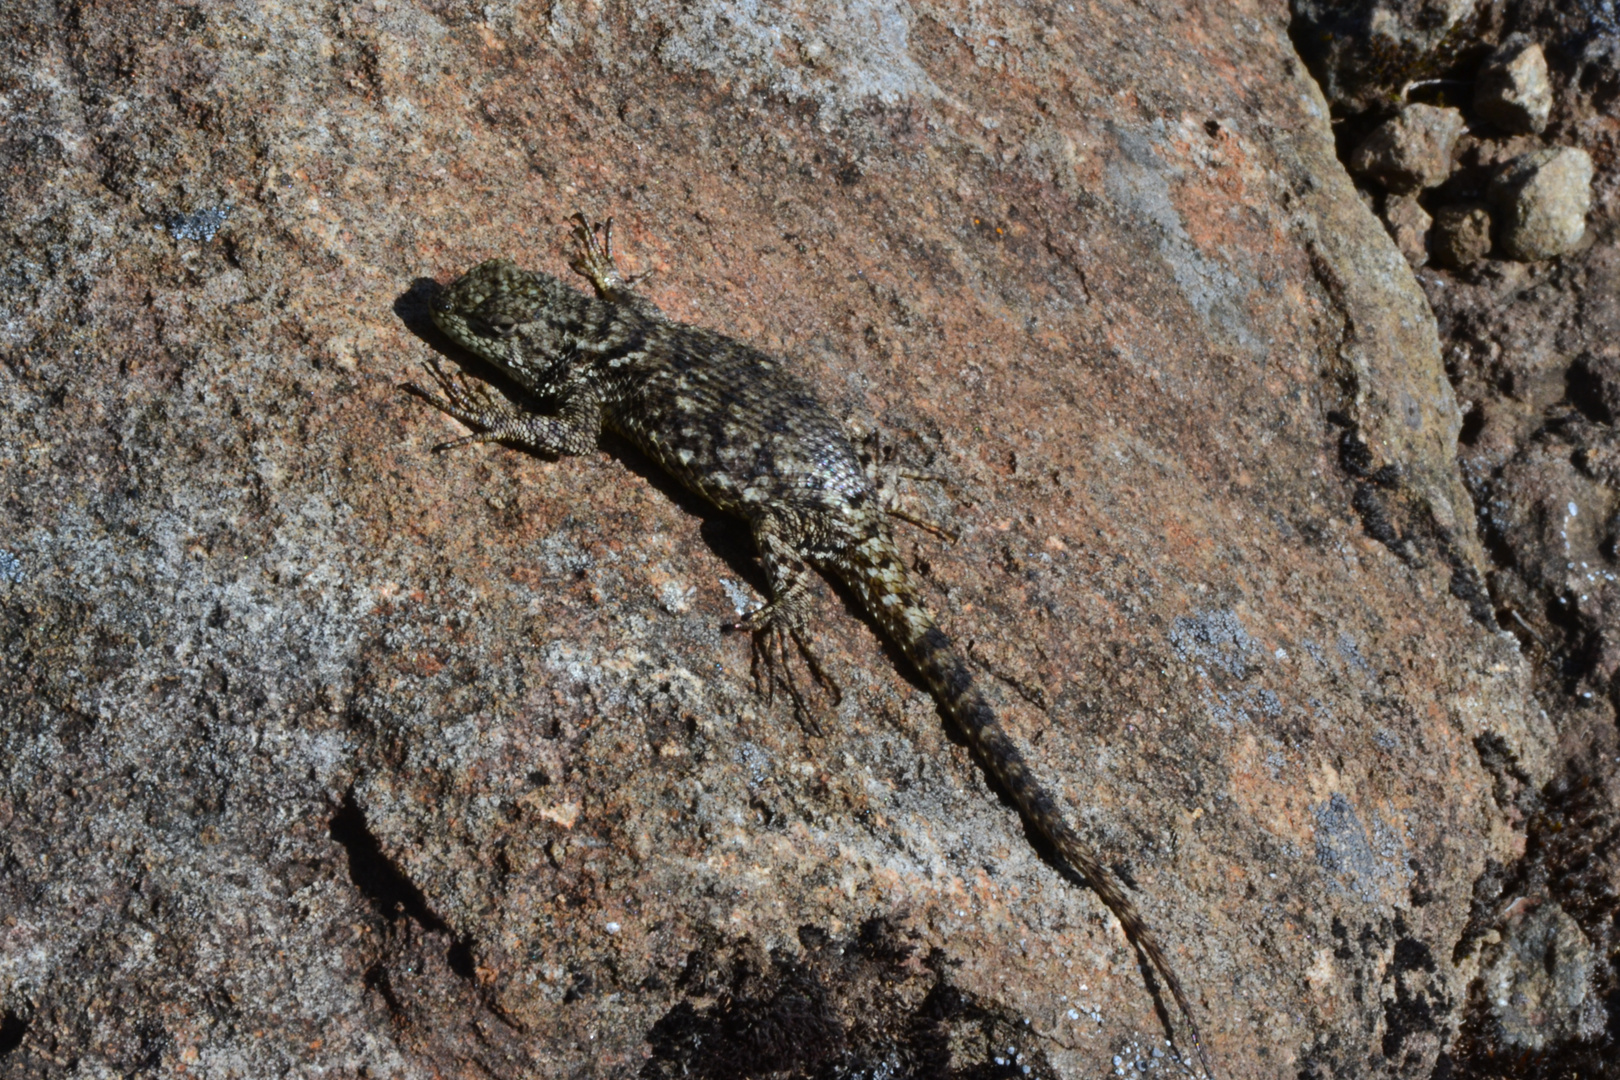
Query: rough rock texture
{"points": [[1537, 445], [1460, 235], [1365, 51], [1533, 356], [1543, 198], [1411, 150], [322, 754], [1512, 89], [1408, 224]]}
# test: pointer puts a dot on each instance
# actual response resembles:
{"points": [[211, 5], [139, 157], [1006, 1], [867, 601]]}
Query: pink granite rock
{"points": [[325, 754]]}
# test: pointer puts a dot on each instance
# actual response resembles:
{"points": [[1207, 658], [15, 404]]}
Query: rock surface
{"points": [[1411, 150], [327, 755], [1365, 51], [1408, 224], [1512, 89], [1461, 235], [1544, 197]]}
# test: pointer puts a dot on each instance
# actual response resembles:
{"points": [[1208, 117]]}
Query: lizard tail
{"points": [[876, 573]]}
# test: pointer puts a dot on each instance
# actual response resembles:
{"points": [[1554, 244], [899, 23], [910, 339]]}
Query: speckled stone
{"points": [[1543, 198], [1512, 89], [1538, 982], [1411, 150]]}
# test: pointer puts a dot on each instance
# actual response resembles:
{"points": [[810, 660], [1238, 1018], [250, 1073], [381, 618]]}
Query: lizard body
{"points": [[737, 427]]}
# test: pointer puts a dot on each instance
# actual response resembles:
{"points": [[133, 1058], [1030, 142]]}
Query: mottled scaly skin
{"points": [[737, 427]]}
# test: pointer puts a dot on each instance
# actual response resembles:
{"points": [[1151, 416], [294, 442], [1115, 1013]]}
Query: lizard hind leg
{"points": [[884, 475], [780, 621]]}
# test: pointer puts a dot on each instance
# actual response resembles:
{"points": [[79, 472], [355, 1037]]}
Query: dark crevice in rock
{"points": [[1585, 390], [460, 958], [390, 891], [384, 884], [844, 1007], [1466, 584], [12, 1030], [1394, 517]]}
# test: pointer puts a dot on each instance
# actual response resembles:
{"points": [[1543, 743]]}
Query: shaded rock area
{"points": [[1460, 236], [322, 754], [1365, 52], [1512, 90], [1525, 284]]}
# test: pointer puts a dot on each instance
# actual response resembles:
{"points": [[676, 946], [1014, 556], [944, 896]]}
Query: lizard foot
{"points": [[594, 258], [470, 402], [772, 662]]}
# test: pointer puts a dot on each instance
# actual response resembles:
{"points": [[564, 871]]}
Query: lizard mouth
{"points": [[444, 314], [447, 319]]}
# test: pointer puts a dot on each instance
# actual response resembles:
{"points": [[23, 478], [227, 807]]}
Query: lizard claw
{"points": [[467, 402], [459, 394], [771, 627], [594, 259]]}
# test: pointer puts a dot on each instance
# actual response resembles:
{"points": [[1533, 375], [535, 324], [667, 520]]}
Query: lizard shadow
{"points": [[728, 538]]}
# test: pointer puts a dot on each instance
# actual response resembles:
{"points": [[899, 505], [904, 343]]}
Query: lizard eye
{"points": [[503, 325]]}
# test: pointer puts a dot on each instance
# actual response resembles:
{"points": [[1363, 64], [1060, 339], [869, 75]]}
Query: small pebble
{"points": [[1410, 151], [1544, 196], [1408, 225], [1512, 90]]}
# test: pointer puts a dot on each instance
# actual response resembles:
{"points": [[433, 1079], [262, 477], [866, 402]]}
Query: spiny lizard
{"points": [[737, 427]]}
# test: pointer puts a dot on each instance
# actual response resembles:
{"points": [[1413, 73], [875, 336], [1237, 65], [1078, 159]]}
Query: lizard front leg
{"points": [[573, 430], [594, 262]]}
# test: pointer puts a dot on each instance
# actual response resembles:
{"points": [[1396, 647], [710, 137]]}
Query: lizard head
{"points": [[502, 313]]}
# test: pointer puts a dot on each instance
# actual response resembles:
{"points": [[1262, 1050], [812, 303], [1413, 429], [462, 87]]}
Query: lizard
{"points": [[736, 426]]}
